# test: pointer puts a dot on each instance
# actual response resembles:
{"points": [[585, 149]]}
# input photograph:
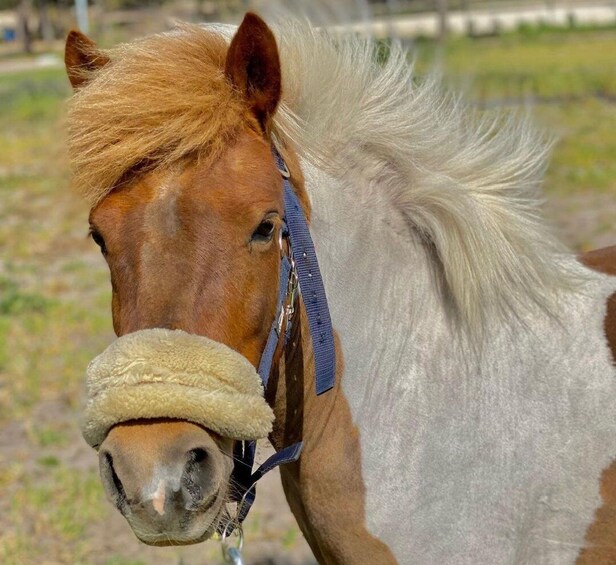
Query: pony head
{"points": [[169, 140]]}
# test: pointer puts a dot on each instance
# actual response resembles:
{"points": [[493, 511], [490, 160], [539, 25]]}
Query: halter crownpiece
{"points": [[158, 373]]}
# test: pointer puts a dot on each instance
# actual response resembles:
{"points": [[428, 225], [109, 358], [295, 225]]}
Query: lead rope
{"points": [[299, 274]]}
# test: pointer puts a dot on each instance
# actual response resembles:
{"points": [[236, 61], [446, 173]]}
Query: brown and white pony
{"points": [[473, 419]]}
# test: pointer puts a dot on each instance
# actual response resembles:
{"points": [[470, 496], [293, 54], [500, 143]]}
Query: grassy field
{"points": [[54, 291], [566, 80]]}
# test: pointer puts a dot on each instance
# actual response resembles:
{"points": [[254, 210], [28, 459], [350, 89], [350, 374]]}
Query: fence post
{"points": [[23, 28], [441, 6]]}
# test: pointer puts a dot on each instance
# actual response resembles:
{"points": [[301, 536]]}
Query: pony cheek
{"points": [[116, 315]]}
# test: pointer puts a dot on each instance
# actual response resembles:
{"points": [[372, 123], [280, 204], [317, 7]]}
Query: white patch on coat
{"points": [[467, 459]]}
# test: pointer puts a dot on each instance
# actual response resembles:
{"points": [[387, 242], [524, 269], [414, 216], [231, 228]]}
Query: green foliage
{"points": [[8, 4], [133, 4], [518, 67], [14, 302], [13, 4]]}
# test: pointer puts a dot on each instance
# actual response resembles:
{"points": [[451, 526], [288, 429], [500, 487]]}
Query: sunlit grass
{"points": [[119, 560], [45, 353], [54, 317], [566, 80], [52, 505], [32, 96], [549, 65], [583, 158]]}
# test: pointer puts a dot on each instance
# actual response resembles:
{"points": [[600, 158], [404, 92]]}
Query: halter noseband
{"points": [[299, 275]]}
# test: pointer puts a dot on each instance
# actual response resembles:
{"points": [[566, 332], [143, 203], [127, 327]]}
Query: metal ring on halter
{"points": [[242, 500], [232, 554], [288, 308], [284, 170], [224, 536]]}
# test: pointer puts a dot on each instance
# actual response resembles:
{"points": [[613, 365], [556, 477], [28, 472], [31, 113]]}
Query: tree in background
{"points": [[23, 26], [441, 8], [33, 20]]}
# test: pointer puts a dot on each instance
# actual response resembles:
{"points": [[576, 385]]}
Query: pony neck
{"points": [[380, 278], [325, 488], [384, 284]]}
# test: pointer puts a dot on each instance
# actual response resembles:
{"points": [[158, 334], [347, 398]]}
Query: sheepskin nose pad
{"points": [[171, 492]]}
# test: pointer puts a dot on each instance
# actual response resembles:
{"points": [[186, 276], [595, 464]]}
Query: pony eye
{"points": [[98, 239], [264, 232]]}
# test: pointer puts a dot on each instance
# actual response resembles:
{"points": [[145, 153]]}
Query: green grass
{"points": [[53, 506], [31, 96], [548, 65], [583, 158], [568, 80], [54, 317], [289, 539], [45, 345], [119, 560], [14, 302]]}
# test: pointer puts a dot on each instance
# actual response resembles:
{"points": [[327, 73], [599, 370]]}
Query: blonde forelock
{"points": [[158, 100]]}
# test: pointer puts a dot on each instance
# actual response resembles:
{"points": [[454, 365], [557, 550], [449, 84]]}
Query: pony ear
{"points": [[253, 67], [81, 56]]}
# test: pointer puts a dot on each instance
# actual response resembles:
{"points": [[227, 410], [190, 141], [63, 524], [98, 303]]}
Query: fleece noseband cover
{"points": [[160, 373]]}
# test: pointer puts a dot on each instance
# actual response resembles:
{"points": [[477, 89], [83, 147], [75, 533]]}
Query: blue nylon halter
{"points": [[304, 265]]}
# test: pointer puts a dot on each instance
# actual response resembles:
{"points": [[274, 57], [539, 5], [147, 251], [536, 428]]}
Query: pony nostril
{"points": [[111, 481], [197, 455], [196, 478]]}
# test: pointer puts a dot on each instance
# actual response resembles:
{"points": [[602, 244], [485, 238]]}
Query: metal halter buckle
{"points": [[232, 554], [287, 311]]}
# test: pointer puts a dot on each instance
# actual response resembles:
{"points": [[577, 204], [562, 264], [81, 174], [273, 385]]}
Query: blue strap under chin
{"points": [[286, 455], [319, 321]]}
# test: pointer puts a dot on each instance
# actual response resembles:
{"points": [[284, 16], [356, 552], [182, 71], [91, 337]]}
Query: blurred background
{"points": [[553, 59]]}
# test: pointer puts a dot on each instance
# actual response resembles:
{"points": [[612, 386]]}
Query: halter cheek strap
{"points": [[311, 286], [299, 272]]}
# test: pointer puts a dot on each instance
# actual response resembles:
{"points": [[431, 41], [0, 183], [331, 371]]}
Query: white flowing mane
{"points": [[469, 185]]}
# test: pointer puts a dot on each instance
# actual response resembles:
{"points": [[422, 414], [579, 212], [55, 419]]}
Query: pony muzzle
{"points": [[153, 399]]}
